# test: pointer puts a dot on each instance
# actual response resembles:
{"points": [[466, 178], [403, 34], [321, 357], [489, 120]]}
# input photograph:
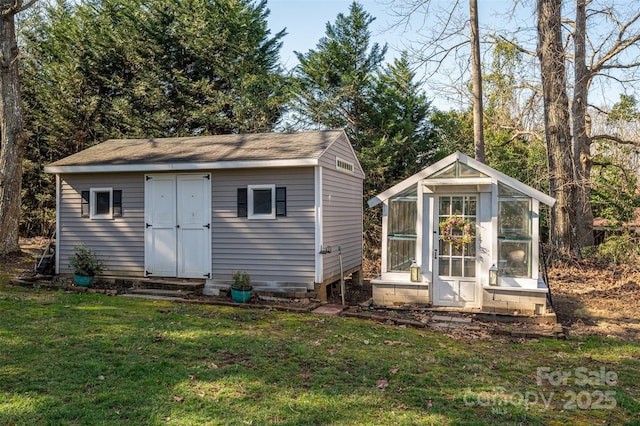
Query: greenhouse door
{"points": [[454, 253]]}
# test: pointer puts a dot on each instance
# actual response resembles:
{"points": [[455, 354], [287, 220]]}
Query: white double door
{"points": [[178, 225], [455, 277]]}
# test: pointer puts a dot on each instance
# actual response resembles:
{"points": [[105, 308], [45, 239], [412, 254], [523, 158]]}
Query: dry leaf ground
{"points": [[592, 299]]}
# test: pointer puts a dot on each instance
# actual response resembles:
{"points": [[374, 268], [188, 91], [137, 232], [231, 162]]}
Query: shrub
{"points": [[241, 281], [85, 262], [616, 249]]}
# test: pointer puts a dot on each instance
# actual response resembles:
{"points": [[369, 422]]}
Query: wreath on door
{"points": [[457, 231]]}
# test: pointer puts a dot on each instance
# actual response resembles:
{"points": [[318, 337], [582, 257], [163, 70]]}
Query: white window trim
{"points": [[92, 203], [250, 214]]}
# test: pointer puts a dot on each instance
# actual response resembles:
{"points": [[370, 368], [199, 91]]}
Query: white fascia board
{"points": [[412, 180], [481, 167], [163, 167], [501, 177]]}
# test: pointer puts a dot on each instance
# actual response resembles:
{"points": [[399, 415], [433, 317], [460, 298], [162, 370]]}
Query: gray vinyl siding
{"points": [[342, 221], [279, 250], [342, 210], [341, 147], [118, 242]]}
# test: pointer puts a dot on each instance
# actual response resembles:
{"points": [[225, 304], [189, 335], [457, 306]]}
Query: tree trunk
{"points": [[581, 137], [558, 135], [476, 78], [12, 138]]}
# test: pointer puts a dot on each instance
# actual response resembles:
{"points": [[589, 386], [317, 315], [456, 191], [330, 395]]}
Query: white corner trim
{"points": [[58, 198], [319, 264]]}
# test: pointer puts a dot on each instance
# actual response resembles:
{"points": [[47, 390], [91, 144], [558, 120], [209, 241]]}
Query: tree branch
{"points": [[616, 139], [518, 47]]}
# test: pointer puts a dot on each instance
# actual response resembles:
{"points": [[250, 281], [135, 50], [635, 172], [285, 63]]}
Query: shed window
{"points": [[402, 230], [262, 202], [514, 233], [101, 203]]}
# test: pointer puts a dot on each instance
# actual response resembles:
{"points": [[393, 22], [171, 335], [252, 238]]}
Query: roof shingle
{"points": [[204, 149]]}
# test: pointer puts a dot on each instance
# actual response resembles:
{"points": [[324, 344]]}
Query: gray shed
{"points": [[276, 205]]}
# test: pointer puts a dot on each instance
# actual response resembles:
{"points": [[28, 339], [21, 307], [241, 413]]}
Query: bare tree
{"points": [[582, 150], [476, 79], [558, 137], [445, 40], [594, 45], [609, 51], [12, 136]]}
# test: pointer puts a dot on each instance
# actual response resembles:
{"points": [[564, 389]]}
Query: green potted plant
{"points": [[85, 265], [241, 288]]}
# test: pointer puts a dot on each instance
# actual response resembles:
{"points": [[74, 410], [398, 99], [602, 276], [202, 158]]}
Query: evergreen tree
{"points": [[334, 81], [133, 68], [401, 137]]}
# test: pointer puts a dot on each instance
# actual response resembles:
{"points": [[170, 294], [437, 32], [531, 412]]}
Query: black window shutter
{"points": [[84, 206], [242, 202], [281, 201], [117, 203]]}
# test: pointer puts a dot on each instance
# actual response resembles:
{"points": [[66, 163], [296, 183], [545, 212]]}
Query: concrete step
{"points": [[194, 287], [179, 294]]}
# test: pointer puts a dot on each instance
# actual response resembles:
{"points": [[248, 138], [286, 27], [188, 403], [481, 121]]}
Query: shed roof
{"points": [[200, 152], [466, 160]]}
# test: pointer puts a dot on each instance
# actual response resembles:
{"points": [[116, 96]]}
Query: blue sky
{"points": [[305, 21]]}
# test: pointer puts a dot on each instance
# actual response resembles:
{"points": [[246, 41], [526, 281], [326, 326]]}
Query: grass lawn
{"points": [[93, 359]]}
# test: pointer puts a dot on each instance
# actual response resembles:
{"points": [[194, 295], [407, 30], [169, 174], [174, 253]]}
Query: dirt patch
{"points": [[22, 264]]}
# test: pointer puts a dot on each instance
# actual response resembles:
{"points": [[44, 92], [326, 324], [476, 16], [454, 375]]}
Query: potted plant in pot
{"points": [[85, 265], [241, 288]]}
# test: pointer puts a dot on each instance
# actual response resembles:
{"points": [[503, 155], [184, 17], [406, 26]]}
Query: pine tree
{"points": [[334, 82]]}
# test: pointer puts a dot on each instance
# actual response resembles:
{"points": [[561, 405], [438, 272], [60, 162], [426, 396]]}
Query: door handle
{"points": [[435, 254]]}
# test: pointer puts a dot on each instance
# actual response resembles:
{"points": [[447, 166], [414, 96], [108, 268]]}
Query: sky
{"points": [[305, 22]]}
